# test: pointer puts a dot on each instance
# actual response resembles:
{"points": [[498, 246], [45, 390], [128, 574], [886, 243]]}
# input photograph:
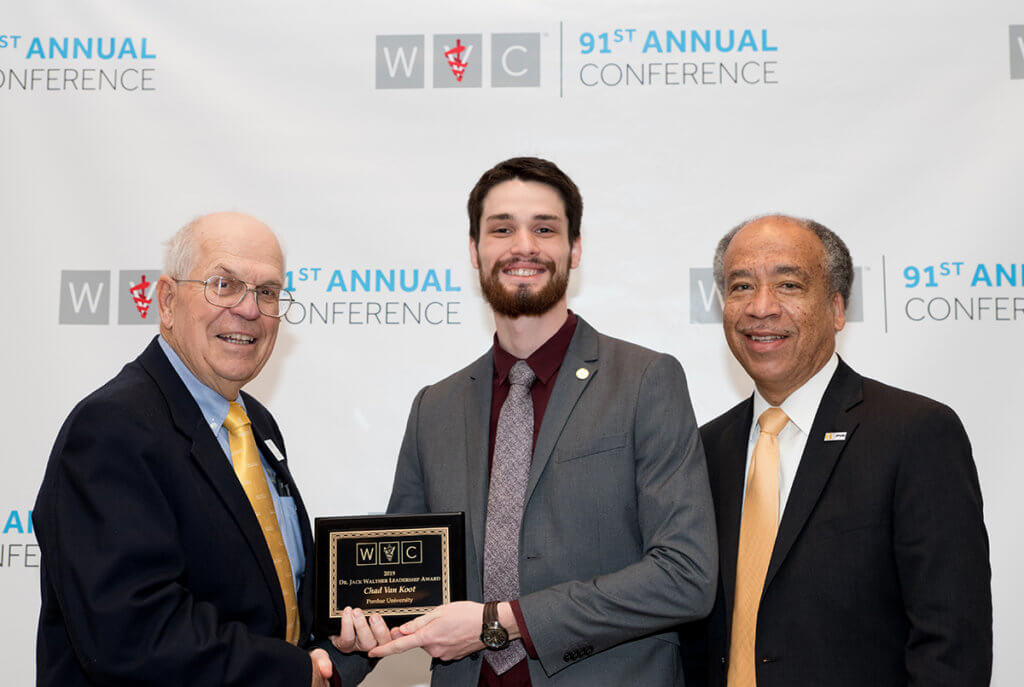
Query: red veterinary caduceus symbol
{"points": [[455, 61], [138, 293]]}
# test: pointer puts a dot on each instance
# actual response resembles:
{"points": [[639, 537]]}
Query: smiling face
{"points": [[223, 347], [780, 319], [523, 254]]}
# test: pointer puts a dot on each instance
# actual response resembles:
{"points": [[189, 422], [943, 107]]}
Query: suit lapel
{"points": [[478, 422], [582, 353], [210, 458], [818, 460], [732, 459]]}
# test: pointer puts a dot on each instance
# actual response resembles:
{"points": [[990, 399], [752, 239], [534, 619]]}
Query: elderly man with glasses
{"points": [[173, 538]]}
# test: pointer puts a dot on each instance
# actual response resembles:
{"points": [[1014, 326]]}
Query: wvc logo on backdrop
{"points": [[706, 300], [1017, 51], [456, 60], [77, 63], [85, 297]]}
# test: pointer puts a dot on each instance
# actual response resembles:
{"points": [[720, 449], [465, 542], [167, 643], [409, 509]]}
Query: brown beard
{"points": [[521, 301]]}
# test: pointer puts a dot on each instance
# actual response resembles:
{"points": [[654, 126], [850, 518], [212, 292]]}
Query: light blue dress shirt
{"points": [[214, 408]]}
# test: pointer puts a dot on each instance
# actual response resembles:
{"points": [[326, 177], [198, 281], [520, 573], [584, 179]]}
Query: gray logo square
{"points": [[515, 59], [400, 61], [1017, 51], [84, 297], [706, 300], [457, 60], [136, 297], [855, 308]]}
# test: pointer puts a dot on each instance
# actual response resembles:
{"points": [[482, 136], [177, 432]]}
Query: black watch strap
{"points": [[490, 612]]}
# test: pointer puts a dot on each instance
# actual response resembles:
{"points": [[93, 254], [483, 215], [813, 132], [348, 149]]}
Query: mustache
{"points": [[763, 331], [549, 265]]}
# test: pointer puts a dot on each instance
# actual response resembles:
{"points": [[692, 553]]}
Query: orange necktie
{"points": [[246, 459], [758, 527]]}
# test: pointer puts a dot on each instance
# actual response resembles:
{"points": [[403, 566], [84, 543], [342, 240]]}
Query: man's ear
{"points": [[474, 253], [838, 311], [575, 252], [166, 291]]}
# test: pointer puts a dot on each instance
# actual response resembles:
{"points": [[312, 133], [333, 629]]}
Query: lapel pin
{"points": [[835, 436], [582, 373], [272, 447]]}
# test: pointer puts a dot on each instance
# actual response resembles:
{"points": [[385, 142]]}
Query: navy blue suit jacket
{"points": [[880, 572], [154, 567]]}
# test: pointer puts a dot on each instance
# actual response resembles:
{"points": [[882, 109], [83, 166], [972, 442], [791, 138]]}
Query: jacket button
{"points": [[768, 659]]}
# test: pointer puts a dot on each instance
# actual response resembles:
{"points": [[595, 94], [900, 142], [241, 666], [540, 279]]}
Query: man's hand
{"points": [[322, 668], [361, 634], [448, 632]]}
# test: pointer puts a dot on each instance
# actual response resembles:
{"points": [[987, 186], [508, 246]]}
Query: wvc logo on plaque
{"points": [[389, 553]]}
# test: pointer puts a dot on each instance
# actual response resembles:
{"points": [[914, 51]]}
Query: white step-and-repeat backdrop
{"points": [[356, 131]]}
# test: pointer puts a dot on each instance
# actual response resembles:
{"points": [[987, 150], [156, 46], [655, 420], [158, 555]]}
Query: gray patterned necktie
{"points": [[513, 451]]}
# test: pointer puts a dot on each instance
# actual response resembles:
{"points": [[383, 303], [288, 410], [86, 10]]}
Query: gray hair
{"points": [[181, 251], [838, 264]]}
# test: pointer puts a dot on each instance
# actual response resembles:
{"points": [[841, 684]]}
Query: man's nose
{"points": [[525, 243], [247, 307], [763, 303]]}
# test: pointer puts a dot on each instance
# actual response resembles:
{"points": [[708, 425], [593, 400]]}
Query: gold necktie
{"points": [[758, 527], [246, 459]]}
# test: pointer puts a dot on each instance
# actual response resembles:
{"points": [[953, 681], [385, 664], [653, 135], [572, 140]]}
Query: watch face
{"points": [[494, 637]]}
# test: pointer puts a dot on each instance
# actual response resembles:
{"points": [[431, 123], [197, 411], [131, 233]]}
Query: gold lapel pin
{"points": [[582, 373]]}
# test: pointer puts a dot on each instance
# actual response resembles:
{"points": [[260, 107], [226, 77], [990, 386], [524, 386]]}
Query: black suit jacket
{"points": [[880, 572], [154, 568]]}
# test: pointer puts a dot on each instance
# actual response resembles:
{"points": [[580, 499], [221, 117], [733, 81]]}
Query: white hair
{"points": [[182, 251]]}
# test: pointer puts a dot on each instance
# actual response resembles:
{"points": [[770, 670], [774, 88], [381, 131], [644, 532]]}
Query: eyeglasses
{"points": [[227, 292]]}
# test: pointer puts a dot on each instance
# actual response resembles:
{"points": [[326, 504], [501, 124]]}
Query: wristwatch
{"points": [[493, 635]]}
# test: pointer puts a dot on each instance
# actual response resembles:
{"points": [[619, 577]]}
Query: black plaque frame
{"points": [[337, 545]]}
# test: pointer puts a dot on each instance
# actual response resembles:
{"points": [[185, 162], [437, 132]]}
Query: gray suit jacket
{"points": [[618, 543]]}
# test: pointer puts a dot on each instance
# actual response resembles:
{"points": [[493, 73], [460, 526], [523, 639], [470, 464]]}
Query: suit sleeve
{"points": [[112, 558], [942, 556], [674, 580], [408, 493]]}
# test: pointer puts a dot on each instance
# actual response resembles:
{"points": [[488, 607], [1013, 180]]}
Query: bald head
{"points": [[838, 264], [182, 249]]}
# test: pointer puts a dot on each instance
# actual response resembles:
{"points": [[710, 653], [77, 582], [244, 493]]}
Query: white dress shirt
{"points": [[800, 407]]}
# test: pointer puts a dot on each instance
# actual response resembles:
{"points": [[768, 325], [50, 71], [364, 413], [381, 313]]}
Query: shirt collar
{"points": [[213, 406], [545, 361], [802, 405]]}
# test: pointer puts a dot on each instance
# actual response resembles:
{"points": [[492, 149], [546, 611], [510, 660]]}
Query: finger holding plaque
{"points": [[397, 566]]}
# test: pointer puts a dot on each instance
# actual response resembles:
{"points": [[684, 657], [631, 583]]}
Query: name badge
{"points": [[835, 436], [272, 447]]}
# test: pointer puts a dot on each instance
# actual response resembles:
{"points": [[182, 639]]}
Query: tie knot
{"points": [[236, 418], [772, 420], [521, 375]]}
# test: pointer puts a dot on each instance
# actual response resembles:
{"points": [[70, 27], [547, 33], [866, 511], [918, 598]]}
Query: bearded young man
{"points": [[578, 463]]}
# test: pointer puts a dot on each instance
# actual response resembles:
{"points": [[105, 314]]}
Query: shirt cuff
{"points": [[524, 634]]}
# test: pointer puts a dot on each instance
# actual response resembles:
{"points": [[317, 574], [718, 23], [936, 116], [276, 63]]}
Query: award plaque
{"points": [[398, 566]]}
